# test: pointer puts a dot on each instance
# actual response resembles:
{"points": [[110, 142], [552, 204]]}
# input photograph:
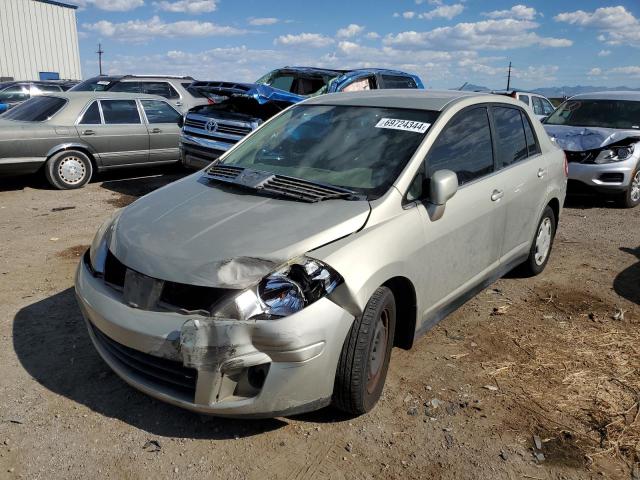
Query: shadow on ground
{"points": [[52, 344], [627, 283], [589, 200]]}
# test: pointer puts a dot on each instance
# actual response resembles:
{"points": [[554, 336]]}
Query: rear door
{"points": [[121, 138], [462, 248], [524, 175], [163, 124]]}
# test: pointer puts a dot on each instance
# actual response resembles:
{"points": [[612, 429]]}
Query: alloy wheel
{"points": [[543, 241]]}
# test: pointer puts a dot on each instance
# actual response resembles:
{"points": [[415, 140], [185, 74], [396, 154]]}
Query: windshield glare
{"points": [[340, 145], [621, 114], [37, 109]]}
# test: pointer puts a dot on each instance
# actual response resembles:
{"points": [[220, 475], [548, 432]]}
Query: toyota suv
{"points": [[175, 89], [236, 109], [278, 279]]}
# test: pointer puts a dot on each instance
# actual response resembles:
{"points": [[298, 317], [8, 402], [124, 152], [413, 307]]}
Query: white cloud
{"points": [[604, 53], [142, 30], [350, 31], [408, 15], [372, 35], [501, 34], [594, 72], [110, 5], [261, 21], [632, 71], [617, 25], [444, 11], [187, 6], [520, 12], [314, 40]]}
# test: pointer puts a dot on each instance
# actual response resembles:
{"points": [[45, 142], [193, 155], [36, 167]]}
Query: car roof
{"points": [[436, 100], [613, 95], [86, 96]]}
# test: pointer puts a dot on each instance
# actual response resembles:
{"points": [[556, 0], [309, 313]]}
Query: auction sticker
{"points": [[406, 125]]}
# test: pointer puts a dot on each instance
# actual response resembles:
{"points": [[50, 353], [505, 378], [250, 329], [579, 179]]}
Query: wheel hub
{"points": [[71, 170], [635, 187], [543, 241]]}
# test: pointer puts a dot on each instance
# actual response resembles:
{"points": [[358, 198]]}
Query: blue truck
{"points": [[236, 109]]}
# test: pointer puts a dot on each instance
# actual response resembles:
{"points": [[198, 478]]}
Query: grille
{"points": [[579, 157], [157, 370], [114, 271], [222, 127]]}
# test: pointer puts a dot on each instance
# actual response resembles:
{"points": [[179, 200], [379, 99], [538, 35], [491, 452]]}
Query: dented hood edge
{"points": [[578, 139]]}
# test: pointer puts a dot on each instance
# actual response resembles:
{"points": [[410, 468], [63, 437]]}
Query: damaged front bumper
{"points": [[613, 177], [254, 368]]}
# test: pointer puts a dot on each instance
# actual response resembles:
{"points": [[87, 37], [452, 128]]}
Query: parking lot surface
{"points": [[533, 378]]}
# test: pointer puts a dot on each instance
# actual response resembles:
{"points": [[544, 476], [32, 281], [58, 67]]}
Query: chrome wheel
{"points": [[71, 170], [635, 188], [543, 241], [378, 351]]}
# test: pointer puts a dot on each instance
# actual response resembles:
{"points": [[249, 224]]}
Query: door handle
{"points": [[156, 130], [496, 195], [541, 172], [88, 132]]}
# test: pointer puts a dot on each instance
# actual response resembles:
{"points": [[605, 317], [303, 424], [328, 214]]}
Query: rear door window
{"points": [[91, 115], [119, 112], [398, 81], [129, 87], [524, 99], [538, 108], [16, 93], [163, 89], [160, 112], [510, 136], [464, 146]]}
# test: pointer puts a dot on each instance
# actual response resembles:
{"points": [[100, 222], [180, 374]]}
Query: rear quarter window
{"points": [[37, 109], [398, 81]]}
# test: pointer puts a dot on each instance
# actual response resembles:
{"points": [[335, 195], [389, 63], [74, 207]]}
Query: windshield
{"points": [[622, 114], [359, 148], [300, 83], [94, 85], [38, 109]]}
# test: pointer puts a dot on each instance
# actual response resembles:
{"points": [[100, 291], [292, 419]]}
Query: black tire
{"points": [[631, 198], [77, 173], [356, 391], [533, 265]]}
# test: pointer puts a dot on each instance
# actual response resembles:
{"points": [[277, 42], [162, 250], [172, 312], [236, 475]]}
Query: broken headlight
{"points": [[100, 244], [283, 292], [614, 154]]}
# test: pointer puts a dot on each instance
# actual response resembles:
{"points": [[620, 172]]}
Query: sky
{"points": [[446, 42]]}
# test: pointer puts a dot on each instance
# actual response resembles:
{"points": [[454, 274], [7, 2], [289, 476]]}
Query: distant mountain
{"points": [[552, 92]]}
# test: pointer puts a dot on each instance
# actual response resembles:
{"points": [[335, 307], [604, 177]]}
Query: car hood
{"points": [[202, 233], [259, 92], [578, 139]]}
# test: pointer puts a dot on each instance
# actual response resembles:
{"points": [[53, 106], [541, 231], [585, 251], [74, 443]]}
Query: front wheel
{"points": [[542, 242], [364, 360], [631, 198], [68, 169]]}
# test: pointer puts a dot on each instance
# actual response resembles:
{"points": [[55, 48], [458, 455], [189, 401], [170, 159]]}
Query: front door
{"points": [[120, 137], [462, 248], [163, 122]]}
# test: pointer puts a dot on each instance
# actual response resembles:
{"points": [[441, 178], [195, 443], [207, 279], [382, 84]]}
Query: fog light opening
{"points": [[257, 375]]}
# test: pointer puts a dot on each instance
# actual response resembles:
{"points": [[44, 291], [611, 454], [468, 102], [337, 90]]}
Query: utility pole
{"points": [[509, 77], [100, 52]]}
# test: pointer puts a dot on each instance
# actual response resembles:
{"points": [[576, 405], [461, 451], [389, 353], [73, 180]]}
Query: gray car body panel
{"points": [[191, 231], [26, 146]]}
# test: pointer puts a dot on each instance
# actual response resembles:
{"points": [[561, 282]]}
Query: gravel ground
{"points": [[533, 378]]}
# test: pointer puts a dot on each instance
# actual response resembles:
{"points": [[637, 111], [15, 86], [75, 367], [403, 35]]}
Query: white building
{"points": [[38, 40]]}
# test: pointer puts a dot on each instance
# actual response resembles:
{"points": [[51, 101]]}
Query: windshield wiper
{"points": [[282, 185]]}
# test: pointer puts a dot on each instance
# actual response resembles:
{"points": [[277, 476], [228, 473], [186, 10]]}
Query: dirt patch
{"points": [[73, 252], [122, 200]]}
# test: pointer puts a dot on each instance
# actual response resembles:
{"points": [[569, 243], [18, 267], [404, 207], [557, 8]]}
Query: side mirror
{"points": [[442, 186]]}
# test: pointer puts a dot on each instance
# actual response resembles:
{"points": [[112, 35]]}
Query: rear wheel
{"points": [[542, 242], [631, 198], [363, 364], [68, 170]]}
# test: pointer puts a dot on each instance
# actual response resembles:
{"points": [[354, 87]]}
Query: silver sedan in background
{"points": [[69, 135]]}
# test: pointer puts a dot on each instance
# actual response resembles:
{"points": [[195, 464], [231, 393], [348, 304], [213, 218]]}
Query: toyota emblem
{"points": [[211, 126]]}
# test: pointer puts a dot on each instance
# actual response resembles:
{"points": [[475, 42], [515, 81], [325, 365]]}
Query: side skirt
{"points": [[434, 318]]}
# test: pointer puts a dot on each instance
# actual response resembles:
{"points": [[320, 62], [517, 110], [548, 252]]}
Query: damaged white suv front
{"points": [[600, 134]]}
